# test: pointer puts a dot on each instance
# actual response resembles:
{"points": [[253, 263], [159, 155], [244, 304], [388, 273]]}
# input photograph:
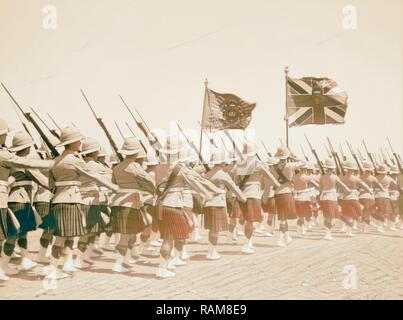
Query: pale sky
{"points": [[157, 53]]}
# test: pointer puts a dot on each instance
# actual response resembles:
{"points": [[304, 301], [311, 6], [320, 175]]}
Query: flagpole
{"points": [[286, 71], [204, 103]]}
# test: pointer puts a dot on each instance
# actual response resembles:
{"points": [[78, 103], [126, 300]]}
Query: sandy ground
{"points": [[369, 266]]}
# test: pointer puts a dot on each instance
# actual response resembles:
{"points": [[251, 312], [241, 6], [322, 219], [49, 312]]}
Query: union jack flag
{"points": [[315, 101]]}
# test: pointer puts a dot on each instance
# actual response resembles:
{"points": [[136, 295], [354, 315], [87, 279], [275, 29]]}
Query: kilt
{"points": [[236, 212], [197, 205], [252, 210], [330, 209], [94, 221], [384, 208], [68, 220], [174, 224], [43, 209], [153, 212], [126, 220], [215, 219], [285, 206], [350, 209], [7, 226], [25, 216], [269, 205], [304, 209], [369, 208]]}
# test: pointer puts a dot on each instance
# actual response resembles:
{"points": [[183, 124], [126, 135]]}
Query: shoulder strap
{"points": [[282, 178], [172, 176]]}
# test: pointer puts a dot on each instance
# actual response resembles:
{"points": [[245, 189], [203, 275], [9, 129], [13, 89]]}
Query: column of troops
{"points": [[79, 197]]}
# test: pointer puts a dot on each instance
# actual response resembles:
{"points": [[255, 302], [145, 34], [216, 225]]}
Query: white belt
{"points": [[303, 191], [252, 183], [67, 183], [175, 190], [22, 184], [329, 191]]}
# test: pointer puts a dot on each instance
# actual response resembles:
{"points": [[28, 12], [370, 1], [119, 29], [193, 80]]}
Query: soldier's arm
{"points": [[82, 169], [13, 161], [195, 184], [39, 178], [342, 185], [363, 185], [377, 183], [266, 172], [231, 186]]}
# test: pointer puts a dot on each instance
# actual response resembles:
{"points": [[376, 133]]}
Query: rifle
{"points": [[192, 145], [328, 151], [55, 123], [355, 157], [342, 152], [240, 154], [150, 136], [385, 160], [360, 154], [103, 127], [370, 156], [120, 131], [303, 152], [397, 157], [390, 157], [30, 119], [264, 146], [322, 170], [53, 132], [27, 131], [141, 142], [336, 158]]}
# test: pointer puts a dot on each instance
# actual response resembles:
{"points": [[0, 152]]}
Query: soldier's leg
{"points": [[248, 246], [68, 266], [52, 271], [8, 249], [165, 253], [26, 262], [213, 239], [123, 252]]}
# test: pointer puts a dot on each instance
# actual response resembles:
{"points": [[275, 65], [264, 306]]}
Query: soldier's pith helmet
{"points": [[382, 169], [367, 166], [350, 165], [329, 164], [130, 146], [21, 141], [68, 136], [174, 146], [282, 153], [89, 145]]}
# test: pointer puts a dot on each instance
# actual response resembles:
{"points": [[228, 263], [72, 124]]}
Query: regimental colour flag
{"points": [[223, 111], [315, 101]]}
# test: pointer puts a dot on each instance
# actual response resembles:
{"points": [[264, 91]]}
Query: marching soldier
{"points": [[94, 203], [384, 211], [127, 218], [8, 222], [349, 202], [303, 185], [367, 199], [400, 188], [268, 200], [66, 204], [285, 203], [174, 223], [394, 197], [328, 184], [20, 199], [251, 173], [215, 210]]}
